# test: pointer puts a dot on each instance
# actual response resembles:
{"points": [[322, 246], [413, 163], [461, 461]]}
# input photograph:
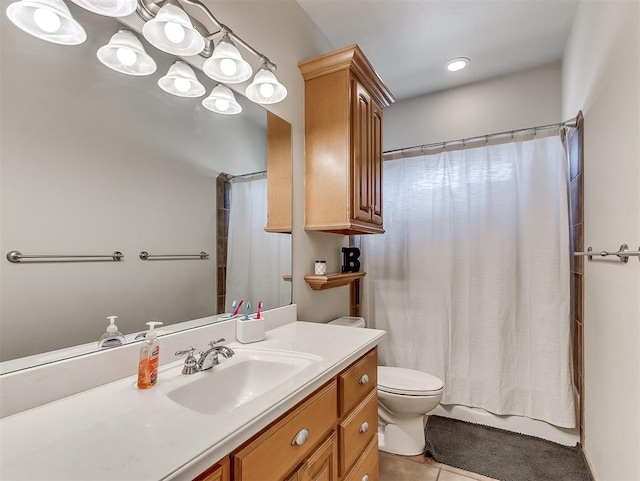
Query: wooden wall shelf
{"points": [[329, 281]]}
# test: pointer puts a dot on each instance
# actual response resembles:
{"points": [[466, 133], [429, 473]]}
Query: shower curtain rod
{"points": [[248, 176], [462, 143]]}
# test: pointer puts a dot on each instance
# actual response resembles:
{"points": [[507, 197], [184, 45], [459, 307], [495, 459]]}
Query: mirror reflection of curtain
{"points": [[257, 259]]}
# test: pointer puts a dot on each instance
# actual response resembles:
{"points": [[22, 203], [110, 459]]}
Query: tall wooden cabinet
{"points": [[344, 100]]}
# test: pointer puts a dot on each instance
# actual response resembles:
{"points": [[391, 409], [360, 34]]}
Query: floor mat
{"points": [[501, 454]]}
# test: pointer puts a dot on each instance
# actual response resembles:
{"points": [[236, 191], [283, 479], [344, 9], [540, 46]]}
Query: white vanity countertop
{"points": [[117, 431]]}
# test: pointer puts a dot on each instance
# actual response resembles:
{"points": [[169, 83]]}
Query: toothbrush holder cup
{"points": [[251, 330]]}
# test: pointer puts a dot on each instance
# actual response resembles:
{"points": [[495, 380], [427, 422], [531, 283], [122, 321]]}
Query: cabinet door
{"points": [[376, 163], [322, 465], [361, 154], [218, 472]]}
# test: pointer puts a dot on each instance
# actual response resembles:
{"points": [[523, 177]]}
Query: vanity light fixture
{"points": [[125, 54], [222, 101], [265, 88], [226, 64], [48, 20], [181, 80], [109, 8], [169, 28], [171, 31], [457, 63]]}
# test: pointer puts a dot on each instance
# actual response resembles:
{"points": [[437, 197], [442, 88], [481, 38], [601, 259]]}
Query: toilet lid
{"points": [[398, 380]]}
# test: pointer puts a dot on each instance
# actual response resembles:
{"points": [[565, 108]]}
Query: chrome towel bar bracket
{"points": [[623, 253]]}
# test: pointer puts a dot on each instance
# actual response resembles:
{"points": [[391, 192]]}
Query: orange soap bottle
{"points": [[149, 358]]}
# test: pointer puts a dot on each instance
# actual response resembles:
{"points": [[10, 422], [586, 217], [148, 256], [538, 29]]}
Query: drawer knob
{"points": [[364, 379], [301, 437], [364, 427], [365, 477]]}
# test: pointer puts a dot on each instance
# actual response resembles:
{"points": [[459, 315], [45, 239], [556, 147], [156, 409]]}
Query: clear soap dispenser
{"points": [[113, 337], [149, 358]]}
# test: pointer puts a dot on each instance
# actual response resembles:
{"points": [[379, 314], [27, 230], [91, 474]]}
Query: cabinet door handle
{"points": [[364, 427], [300, 438], [372, 206], [365, 477], [364, 379]]}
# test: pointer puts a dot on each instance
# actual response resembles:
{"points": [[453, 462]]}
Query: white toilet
{"points": [[404, 397]]}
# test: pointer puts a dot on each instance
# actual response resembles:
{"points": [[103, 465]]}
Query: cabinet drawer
{"points": [[367, 467], [357, 381], [357, 430], [274, 453]]}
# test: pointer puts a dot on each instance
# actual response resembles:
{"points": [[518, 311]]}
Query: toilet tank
{"points": [[349, 321]]}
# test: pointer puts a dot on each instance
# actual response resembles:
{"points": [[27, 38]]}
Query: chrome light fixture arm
{"points": [[223, 29]]}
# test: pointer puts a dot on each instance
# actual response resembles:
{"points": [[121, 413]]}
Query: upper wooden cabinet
{"points": [[344, 99]]}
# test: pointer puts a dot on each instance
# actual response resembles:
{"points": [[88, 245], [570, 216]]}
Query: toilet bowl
{"points": [[405, 396]]}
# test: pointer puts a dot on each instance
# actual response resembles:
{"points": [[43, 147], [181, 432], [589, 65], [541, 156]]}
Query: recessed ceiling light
{"points": [[456, 64]]}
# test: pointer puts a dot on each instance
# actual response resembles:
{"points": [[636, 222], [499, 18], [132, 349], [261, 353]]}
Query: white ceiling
{"points": [[409, 41]]}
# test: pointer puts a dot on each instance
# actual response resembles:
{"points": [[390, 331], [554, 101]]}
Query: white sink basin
{"points": [[242, 378]]}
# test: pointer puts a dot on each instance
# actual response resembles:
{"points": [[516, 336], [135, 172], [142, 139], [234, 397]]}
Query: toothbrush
{"points": [[233, 305], [237, 309], [260, 306], [246, 314]]}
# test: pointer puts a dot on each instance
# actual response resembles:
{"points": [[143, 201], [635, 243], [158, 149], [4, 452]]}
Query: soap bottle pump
{"points": [[113, 337], [149, 358]]}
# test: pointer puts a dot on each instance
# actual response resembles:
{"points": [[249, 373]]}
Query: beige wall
{"points": [[525, 99], [601, 76]]}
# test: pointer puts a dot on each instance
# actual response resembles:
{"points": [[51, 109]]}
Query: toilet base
{"points": [[404, 436]]}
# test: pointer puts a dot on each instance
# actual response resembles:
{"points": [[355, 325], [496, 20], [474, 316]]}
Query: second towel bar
{"points": [[144, 255]]}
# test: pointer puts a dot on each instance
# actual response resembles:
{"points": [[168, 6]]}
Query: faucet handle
{"points": [[186, 351], [190, 363], [212, 343]]}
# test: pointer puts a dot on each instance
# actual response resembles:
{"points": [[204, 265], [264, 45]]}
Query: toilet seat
{"points": [[408, 382]]}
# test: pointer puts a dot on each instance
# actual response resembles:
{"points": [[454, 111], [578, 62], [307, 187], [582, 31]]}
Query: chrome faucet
{"points": [[192, 366], [212, 353]]}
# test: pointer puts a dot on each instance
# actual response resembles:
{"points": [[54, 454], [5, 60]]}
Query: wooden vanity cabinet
{"points": [[340, 443], [344, 100]]}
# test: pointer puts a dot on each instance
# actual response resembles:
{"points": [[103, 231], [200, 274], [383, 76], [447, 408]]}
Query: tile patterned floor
{"points": [[421, 468]]}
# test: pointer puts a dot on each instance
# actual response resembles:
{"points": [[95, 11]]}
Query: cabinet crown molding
{"points": [[352, 58]]}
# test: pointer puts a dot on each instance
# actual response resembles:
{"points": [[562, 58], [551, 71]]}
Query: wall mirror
{"points": [[93, 162]]}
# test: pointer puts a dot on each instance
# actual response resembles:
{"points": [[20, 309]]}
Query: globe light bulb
{"points": [[228, 67], [222, 105], [182, 85], [46, 20], [126, 56], [267, 90], [174, 32]]}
